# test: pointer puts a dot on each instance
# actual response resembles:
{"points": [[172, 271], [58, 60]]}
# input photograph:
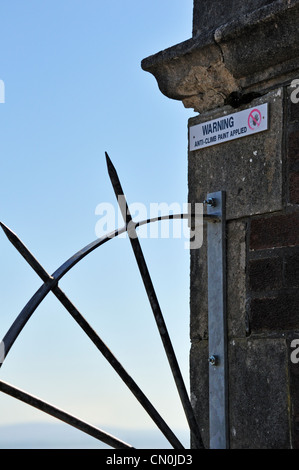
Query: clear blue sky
{"points": [[74, 88]]}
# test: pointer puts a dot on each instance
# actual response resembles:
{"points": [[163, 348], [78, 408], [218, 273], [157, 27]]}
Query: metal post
{"points": [[218, 393]]}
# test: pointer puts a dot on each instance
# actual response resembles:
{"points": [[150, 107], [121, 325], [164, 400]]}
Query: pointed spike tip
{"points": [[109, 162], [108, 159], [114, 177], [6, 230], [111, 169]]}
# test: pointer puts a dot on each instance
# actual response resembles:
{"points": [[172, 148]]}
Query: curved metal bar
{"points": [[42, 292], [73, 260], [51, 281], [101, 346], [63, 416], [24, 316]]}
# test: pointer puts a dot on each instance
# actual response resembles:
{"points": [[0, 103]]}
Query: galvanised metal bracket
{"points": [[218, 385]]}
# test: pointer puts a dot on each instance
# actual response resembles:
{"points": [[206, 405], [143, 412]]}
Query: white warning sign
{"points": [[230, 127]]}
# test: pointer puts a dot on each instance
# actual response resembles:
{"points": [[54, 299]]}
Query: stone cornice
{"points": [[245, 55]]}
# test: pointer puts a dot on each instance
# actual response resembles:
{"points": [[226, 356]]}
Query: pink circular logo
{"points": [[254, 119]]}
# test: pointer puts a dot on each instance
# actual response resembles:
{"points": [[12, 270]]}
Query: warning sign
{"points": [[230, 127]]}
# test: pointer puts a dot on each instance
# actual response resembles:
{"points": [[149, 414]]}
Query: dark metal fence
{"points": [[50, 283]]}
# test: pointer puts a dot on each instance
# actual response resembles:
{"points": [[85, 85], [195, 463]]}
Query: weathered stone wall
{"points": [[243, 54], [207, 15], [239, 47], [257, 172]]}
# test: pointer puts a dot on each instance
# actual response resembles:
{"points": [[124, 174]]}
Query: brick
{"points": [[293, 147], [294, 395], [275, 231], [275, 313], [292, 270], [294, 111], [294, 187], [295, 432], [258, 391], [265, 274]]}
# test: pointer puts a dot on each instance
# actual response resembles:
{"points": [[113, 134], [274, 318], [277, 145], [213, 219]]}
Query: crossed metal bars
{"points": [[50, 283]]}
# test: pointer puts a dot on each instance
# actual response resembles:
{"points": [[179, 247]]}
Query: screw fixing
{"points": [[210, 201], [213, 360]]}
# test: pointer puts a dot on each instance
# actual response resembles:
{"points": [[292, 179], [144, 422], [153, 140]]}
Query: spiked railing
{"points": [[154, 303], [50, 283]]}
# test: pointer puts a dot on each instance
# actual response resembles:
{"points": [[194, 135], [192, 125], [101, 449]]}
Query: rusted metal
{"points": [[119, 193], [63, 416]]}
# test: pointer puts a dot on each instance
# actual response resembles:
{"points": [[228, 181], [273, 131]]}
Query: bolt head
{"points": [[213, 360], [210, 201]]}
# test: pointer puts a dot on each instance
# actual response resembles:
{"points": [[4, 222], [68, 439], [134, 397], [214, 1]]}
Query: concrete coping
{"points": [[245, 55]]}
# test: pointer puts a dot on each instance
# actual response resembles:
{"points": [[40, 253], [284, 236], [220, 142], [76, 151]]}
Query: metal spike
{"points": [[154, 304], [51, 285], [63, 416], [23, 250]]}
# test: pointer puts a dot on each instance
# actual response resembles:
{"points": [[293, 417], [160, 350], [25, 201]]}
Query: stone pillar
{"points": [[241, 55]]}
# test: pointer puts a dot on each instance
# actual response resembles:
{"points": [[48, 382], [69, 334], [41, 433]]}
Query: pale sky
{"points": [[74, 88]]}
